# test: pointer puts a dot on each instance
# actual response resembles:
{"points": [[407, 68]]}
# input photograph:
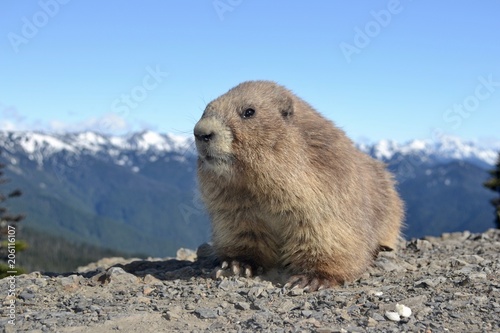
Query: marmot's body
{"points": [[285, 188]]}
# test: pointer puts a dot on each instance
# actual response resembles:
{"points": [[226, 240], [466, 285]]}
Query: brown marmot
{"points": [[287, 189]]}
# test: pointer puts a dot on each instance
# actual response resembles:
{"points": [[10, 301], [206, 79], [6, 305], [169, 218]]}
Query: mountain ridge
{"points": [[138, 194], [447, 148]]}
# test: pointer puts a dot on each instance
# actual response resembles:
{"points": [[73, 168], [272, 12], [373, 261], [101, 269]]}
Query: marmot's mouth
{"points": [[211, 159]]}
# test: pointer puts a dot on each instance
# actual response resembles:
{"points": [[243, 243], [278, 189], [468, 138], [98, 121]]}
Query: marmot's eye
{"points": [[248, 113]]}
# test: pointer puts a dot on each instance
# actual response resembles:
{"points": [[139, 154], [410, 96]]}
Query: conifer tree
{"points": [[494, 185], [10, 244]]}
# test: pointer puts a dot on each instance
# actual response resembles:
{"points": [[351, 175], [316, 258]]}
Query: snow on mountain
{"points": [[39, 146], [446, 149], [145, 141], [42, 145]]}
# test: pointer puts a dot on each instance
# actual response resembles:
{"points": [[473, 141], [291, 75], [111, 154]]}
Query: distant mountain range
{"points": [[137, 193]]}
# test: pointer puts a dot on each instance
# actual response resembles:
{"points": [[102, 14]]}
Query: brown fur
{"points": [[286, 188]]}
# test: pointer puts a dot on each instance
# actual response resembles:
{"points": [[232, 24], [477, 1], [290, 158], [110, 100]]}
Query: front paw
{"points": [[309, 283], [235, 268]]}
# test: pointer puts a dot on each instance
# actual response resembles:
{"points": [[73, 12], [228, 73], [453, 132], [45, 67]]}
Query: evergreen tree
{"points": [[10, 245], [494, 185]]}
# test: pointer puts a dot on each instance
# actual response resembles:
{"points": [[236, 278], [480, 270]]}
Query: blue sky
{"points": [[379, 69]]}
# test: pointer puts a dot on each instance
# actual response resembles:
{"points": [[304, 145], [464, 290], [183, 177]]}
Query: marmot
{"points": [[287, 189]]}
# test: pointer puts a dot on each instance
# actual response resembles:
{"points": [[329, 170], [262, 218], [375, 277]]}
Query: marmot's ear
{"points": [[287, 107]]}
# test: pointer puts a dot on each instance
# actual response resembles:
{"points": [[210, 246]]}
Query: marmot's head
{"points": [[250, 121]]}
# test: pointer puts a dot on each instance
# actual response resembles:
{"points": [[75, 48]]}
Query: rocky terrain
{"points": [[436, 284]]}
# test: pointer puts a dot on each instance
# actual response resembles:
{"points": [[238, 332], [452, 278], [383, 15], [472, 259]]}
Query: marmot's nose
{"points": [[203, 136]]}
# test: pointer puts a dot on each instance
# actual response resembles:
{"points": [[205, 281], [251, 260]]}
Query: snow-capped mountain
{"points": [[427, 151], [137, 193], [39, 146], [132, 151]]}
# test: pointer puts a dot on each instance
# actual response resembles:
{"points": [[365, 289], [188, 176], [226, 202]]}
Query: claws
{"points": [[309, 284], [235, 268]]}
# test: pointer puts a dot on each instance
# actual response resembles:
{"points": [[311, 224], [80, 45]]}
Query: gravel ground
{"points": [[436, 284]]}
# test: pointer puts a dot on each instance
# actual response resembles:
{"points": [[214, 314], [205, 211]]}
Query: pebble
{"points": [[206, 313], [387, 265], [403, 310], [71, 282], [118, 275], [430, 282], [378, 317], [306, 313], [392, 316], [26, 295], [372, 322], [242, 306], [186, 254], [296, 292]]}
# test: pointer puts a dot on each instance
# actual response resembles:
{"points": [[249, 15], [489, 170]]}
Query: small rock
{"points": [[171, 315], [457, 236], [455, 262], [286, 306], [472, 259], [387, 265], [375, 293], [150, 279], [226, 284], [378, 317], [306, 313], [296, 292], [70, 283], [420, 245], [118, 275], [477, 276], [345, 315], [371, 322], [186, 254], [41, 282], [468, 269], [255, 292], [408, 266], [142, 299], [392, 316], [26, 295], [354, 329], [403, 310], [95, 308], [430, 282], [204, 251], [206, 313], [462, 295], [146, 290], [242, 306]]}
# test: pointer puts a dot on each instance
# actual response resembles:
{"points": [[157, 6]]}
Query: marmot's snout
{"points": [[203, 133], [213, 139]]}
